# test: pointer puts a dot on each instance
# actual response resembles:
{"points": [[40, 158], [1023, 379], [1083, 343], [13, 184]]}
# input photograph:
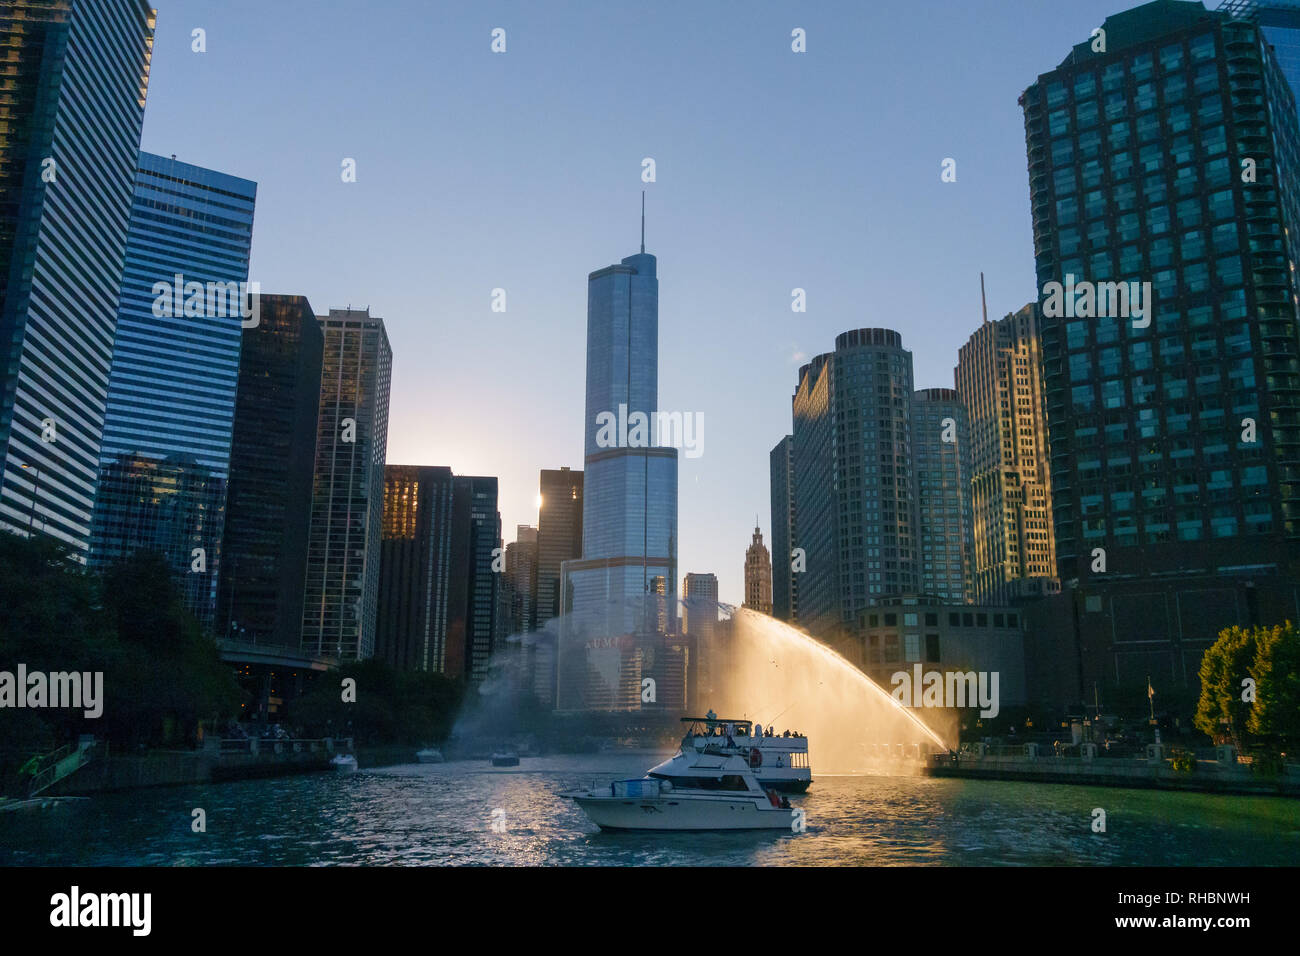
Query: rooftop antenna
{"points": [[643, 222], [984, 301]]}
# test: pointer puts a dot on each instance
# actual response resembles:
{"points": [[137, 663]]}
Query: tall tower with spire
{"points": [[758, 574], [625, 583]]}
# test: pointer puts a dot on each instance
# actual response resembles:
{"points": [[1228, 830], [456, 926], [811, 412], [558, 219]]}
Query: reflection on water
{"points": [[442, 814]]}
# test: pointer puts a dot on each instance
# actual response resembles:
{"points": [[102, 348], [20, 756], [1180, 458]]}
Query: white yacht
{"points": [[780, 762], [429, 755], [709, 788]]}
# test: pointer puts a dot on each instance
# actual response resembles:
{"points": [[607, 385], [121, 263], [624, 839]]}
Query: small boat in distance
{"points": [[429, 755], [506, 758], [344, 763]]}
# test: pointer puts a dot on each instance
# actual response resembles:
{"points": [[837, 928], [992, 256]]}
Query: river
{"points": [[444, 814]]}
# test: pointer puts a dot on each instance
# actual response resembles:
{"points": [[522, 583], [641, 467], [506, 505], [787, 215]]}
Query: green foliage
{"points": [[1182, 761], [161, 674], [1276, 670], [391, 706], [1269, 656]]}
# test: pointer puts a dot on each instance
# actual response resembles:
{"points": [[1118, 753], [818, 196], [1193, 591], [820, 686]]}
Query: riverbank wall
{"points": [[220, 760], [1153, 772]]}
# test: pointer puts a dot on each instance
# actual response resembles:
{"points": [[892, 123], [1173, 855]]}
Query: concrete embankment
{"points": [[228, 760], [1152, 773]]}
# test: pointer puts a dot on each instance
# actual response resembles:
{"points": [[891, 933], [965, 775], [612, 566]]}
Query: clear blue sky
{"points": [[522, 171]]}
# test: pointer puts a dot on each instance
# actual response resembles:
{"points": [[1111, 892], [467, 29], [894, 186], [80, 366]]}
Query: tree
{"points": [[1229, 706]]}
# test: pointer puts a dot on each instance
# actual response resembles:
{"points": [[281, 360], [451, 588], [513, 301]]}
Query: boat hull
{"points": [[785, 785], [666, 813]]}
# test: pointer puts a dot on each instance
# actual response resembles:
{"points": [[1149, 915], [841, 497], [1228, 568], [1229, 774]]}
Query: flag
{"points": [[1151, 691]]}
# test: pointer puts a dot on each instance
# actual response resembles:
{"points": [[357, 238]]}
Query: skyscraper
{"points": [[629, 505], [521, 575], [165, 454], [758, 575], [1167, 156], [626, 578], [272, 460], [76, 76], [1279, 26], [1000, 384], [348, 493], [785, 580], [699, 603], [855, 517], [559, 538], [941, 473], [415, 568], [476, 540]]}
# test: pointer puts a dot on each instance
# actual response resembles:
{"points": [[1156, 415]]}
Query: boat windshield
{"points": [[730, 781], [717, 726]]}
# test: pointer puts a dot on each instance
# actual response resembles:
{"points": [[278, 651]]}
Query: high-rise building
{"points": [[1167, 156], [703, 636], [758, 575], [1279, 25], [165, 453], [272, 460], [76, 74], [475, 545], [415, 568], [629, 504], [941, 473], [1000, 384], [559, 539], [620, 596], [855, 517], [785, 580], [521, 577], [342, 587]]}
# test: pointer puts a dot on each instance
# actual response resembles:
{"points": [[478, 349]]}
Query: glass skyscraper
{"points": [[1279, 24], [785, 580], [70, 118], [1169, 158], [619, 598], [941, 467], [165, 455], [272, 460], [629, 504], [854, 504]]}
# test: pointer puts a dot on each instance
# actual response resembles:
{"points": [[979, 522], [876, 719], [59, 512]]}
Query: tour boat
{"points": [[344, 763], [710, 788], [779, 762], [505, 759], [429, 755]]}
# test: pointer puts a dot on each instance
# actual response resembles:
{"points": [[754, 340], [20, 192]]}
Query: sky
{"points": [[522, 171]]}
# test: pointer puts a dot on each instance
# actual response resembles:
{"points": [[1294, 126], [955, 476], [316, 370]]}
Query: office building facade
{"points": [[785, 579], [1168, 158], [855, 519], [941, 473], [165, 452], [272, 463], [77, 73], [342, 584], [559, 539], [999, 382]]}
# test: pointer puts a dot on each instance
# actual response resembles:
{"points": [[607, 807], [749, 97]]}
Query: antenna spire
{"points": [[643, 222], [984, 301]]}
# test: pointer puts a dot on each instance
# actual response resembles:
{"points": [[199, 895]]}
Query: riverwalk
{"points": [[1086, 766]]}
